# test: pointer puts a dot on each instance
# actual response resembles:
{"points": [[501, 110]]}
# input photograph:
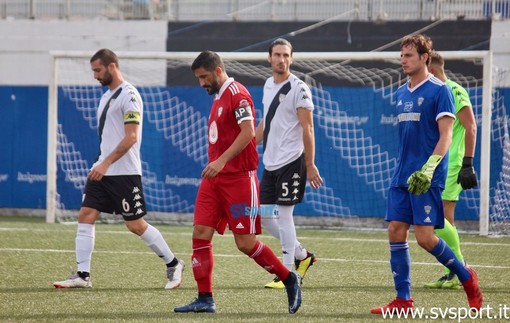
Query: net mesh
{"points": [[356, 135]]}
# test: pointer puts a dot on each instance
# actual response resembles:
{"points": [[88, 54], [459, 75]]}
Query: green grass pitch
{"points": [[352, 275]]}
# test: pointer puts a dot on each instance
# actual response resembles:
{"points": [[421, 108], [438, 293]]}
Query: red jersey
{"points": [[232, 105]]}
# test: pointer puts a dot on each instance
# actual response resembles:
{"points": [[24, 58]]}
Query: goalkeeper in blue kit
{"points": [[426, 114]]}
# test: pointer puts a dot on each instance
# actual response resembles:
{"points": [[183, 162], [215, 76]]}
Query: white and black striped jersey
{"points": [[118, 107], [283, 134]]}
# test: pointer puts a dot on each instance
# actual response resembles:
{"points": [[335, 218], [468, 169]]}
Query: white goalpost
{"points": [[353, 93]]}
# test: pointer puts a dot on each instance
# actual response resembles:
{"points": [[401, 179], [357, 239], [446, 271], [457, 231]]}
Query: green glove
{"points": [[419, 181]]}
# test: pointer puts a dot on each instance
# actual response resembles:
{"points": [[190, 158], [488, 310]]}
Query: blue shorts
{"points": [[424, 209]]}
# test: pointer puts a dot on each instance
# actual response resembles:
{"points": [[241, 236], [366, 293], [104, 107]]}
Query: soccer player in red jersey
{"points": [[228, 192]]}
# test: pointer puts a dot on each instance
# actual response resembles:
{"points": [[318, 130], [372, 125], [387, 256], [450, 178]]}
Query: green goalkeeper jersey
{"points": [[457, 148]]}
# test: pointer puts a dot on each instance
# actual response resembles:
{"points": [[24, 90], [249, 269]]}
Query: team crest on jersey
{"points": [[282, 97], [213, 132], [220, 111], [420, 101]]}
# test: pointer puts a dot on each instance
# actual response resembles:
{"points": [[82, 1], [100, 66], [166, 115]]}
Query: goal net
{"points": [[355, 128]]}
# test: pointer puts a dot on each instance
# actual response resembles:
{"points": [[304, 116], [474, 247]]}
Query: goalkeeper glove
{"points": [[467, 175], [419, 181]]}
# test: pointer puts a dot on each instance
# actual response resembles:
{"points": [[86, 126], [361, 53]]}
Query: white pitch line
{"points": [[495, 244], [366, 261]]}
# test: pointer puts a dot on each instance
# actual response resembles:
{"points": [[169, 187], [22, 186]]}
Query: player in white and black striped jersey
{"points": [[289, 155], [114, 183]]}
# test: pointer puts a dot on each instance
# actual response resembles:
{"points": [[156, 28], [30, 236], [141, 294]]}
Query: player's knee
{"points": [[398, 231], [137, 226], [426, 242], [245, 243]]}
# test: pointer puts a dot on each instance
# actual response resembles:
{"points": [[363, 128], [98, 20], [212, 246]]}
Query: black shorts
{"points": [[121, 194], [284, 186]]}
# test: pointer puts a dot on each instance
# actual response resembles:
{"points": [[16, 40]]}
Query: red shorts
{"points": [[231, 199]]}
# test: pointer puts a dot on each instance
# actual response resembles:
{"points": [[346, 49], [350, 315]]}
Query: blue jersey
{"points": [[418, 111]]}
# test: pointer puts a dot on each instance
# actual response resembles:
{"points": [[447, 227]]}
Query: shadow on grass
{"points": [[202, 317], [50, 288]]}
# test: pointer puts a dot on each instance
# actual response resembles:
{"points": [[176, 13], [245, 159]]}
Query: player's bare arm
{"points": [[445, 125], [312, 172], [259, 132], [242, 140], [130, 138]]}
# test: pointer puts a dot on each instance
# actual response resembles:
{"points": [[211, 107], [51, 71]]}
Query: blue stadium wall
{"points": [[23, 161]]}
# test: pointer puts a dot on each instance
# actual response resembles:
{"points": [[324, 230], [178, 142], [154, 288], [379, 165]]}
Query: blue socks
{"points": [[445, 255], [400, 261]]}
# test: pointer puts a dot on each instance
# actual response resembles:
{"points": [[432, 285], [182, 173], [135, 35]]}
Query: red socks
{"points": [[266, 259], [202, 261]]}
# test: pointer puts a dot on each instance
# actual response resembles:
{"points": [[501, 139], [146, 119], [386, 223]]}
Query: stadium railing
{"points": [[255, 10]]}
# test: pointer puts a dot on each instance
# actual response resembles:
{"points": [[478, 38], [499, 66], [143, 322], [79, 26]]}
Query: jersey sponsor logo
{"points": [[213, 133], [409, 117]]}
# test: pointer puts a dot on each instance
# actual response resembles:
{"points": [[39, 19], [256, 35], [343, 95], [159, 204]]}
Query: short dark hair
{"points": [[106, 56], [209, 60], [436, 58], [422, 43], [280, 41]]}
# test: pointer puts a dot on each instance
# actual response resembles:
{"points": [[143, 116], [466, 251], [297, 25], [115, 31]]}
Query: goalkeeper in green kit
{"points": [[461, 174]]}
